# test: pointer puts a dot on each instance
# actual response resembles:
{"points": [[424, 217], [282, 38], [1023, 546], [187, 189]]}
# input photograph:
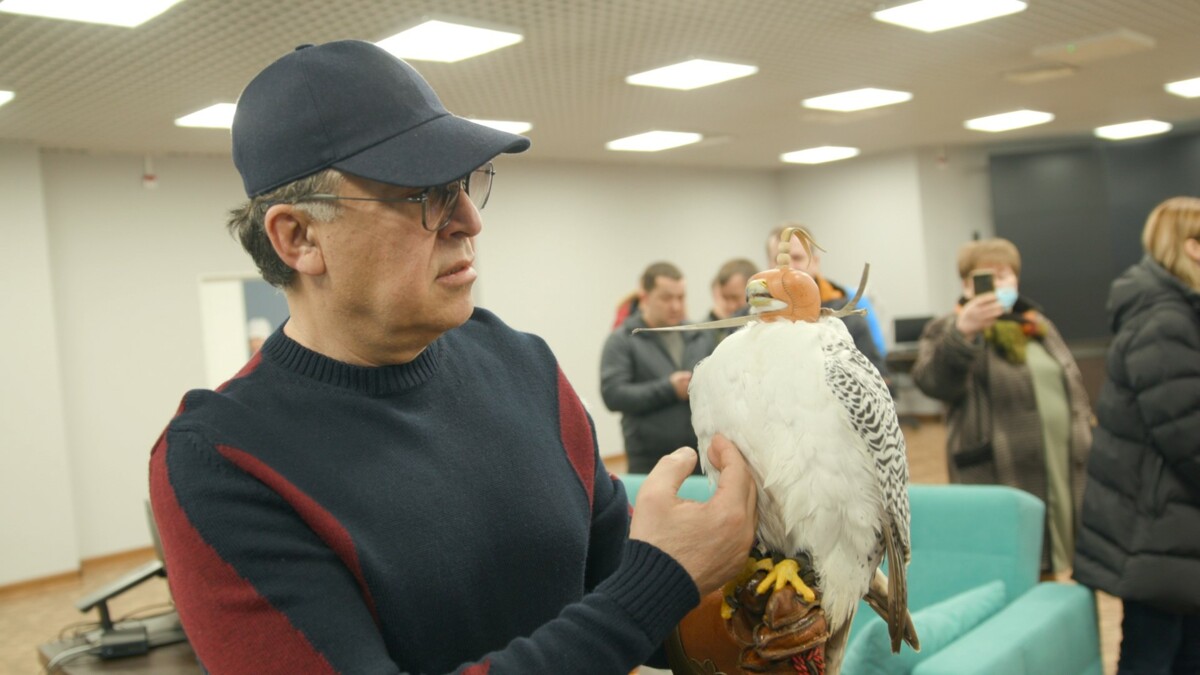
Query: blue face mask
{"points": [[1006, 296]]}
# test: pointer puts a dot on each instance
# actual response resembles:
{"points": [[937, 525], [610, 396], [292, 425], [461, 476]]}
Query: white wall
{"points": [[37, 521], [562, 243], [126, 262], [866, 210], [955, 206]]}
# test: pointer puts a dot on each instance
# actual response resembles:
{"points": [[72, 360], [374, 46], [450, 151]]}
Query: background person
{"points": [[833, 297], [397, 481], [645, 377], [1017, 412], [729, 293], [1140, 534], [830, 290]]}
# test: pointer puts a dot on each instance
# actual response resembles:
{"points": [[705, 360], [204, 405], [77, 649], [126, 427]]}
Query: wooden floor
{"points": [[35, 613]]}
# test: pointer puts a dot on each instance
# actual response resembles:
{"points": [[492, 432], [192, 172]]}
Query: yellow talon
{"points": [[731, 586], [786, 572]]}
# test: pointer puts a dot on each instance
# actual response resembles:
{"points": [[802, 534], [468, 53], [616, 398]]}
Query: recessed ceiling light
{"points": [[511, 127], [692, 74], [6, 96], [653, 141], [857, 99], [933, 15], [216, 116], [1119, 132], [1037, 74], [1185, 88], [820, 155], [128, 13], [1008, 121], [436, 40]]}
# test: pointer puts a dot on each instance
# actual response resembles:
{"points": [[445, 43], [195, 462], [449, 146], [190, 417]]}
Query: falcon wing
{"points": [[861, 390]]}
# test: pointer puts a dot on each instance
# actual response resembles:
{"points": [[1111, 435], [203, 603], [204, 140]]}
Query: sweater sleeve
{"points": [[944, 360], [617, 386], [267, 583], [1162, 364]]}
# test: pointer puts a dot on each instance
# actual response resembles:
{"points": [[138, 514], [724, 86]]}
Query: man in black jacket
{"points": [[645, 377]]}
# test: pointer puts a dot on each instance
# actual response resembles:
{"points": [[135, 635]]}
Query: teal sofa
{"points": [[973, 591]]}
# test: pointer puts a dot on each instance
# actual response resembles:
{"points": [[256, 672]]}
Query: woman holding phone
{"points": [[1017, 413]]}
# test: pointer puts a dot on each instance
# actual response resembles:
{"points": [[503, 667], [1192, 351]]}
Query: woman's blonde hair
{"points": [[1168, 228], [976, 254]]}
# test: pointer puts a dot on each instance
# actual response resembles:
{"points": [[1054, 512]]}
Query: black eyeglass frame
{"points": [[454, 188]]}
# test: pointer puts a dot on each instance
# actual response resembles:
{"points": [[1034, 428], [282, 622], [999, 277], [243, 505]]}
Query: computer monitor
{"points": [[908, 329]]}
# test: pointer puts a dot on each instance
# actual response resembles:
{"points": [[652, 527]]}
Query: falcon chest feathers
{"points": [[816, 423]]}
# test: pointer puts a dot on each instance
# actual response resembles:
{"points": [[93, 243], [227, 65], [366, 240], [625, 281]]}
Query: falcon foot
{"points": [[779, 628], [785, 572]]}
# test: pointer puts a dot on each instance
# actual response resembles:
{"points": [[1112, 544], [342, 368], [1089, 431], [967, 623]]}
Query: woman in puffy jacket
{"points": [[1140, 528]]}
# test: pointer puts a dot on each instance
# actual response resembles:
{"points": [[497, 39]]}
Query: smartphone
{"points": [[983, 282]]}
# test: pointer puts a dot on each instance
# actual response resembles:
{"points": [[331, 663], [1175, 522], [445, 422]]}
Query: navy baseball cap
{"points": [[352, 106]]}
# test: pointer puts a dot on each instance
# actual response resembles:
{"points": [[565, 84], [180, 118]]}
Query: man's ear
{"points": [[294, 241]]}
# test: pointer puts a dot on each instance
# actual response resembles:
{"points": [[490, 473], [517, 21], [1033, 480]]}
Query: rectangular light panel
{"points": [[654, 141], [1185, 88], [511, 126], [819, 155], [6, 96], [930, 16], [692, 74], [1119, 132], [436, 40], [1017, 119], [857, 99], [216, 116], [126, 13]]}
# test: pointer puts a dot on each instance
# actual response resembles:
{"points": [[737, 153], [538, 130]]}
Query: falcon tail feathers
{"points": [[877, 599]]}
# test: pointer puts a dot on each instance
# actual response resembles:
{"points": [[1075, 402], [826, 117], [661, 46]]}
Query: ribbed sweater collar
{"points": [[286, 353]]}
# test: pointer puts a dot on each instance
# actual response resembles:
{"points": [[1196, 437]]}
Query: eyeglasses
{"points": [[438, 202]]}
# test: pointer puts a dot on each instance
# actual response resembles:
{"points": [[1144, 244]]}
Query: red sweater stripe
{"points": [[276, 646], [314, 515], [576, 435]]}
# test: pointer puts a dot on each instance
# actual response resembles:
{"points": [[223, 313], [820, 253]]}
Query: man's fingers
{"points": [[670, 471], [735, 474]]}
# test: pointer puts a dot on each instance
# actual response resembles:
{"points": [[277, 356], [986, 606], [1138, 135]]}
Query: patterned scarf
{"points": [[1011, 332]]}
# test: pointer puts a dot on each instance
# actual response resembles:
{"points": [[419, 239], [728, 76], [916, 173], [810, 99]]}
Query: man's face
{"points": [[387, 278], [729, 297], [801, 261], [663, 305]]}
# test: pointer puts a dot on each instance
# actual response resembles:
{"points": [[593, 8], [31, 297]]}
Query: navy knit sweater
{"points": [[445, 515]]}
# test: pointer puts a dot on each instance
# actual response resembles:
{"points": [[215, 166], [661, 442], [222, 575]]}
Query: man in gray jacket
{"points": [[645, 377]]}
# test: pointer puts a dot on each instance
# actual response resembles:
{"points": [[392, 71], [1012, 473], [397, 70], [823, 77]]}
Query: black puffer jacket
{"points": [[1140, 534]]}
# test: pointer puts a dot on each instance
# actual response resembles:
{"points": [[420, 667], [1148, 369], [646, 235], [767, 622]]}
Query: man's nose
{"points": [[465, 219]]}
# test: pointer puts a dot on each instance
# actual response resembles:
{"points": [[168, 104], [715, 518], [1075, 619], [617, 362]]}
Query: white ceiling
{"points": [[101, 88]]}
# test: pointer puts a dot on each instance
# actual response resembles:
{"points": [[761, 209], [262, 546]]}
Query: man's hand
{"points": [[978, 315], [680, 379], [712, 539]]}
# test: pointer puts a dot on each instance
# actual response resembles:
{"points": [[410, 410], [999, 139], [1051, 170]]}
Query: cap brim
{"points": [[434, 153]]}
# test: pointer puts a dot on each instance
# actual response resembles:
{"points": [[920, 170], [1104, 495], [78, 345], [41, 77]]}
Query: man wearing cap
{"points": [[397, 481]]}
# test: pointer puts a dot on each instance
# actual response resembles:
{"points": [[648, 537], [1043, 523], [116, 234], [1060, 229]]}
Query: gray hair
{"points": [[246, 221]]}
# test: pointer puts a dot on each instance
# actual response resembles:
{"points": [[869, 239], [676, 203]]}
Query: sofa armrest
{"points": [[1052, 628]]}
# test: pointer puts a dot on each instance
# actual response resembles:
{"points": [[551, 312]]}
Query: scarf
{"points": [[1011, 332]]}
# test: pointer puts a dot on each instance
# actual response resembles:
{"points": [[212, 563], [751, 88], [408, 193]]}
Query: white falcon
{"points": [[818, 427]]}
